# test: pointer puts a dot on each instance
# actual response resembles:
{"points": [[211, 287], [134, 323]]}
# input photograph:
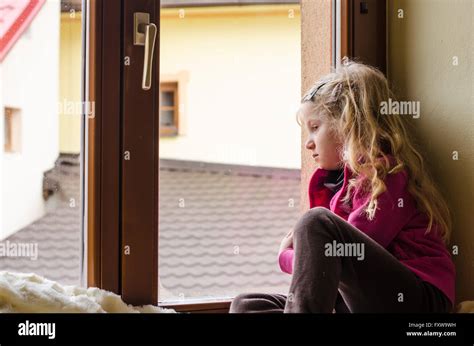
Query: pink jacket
{"points": [[401, 230]]}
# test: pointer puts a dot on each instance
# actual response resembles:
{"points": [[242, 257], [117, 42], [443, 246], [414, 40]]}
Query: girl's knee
{"points": [[241, 302], [316, 215], [313, 220]]}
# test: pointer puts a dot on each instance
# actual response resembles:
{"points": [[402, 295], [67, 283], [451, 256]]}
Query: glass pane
{"points": [[167, 98], [40, 88], [167, 118], [230, 181]]}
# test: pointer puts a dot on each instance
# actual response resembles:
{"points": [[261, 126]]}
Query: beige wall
{"points": [[421, 50], [238, 69], [316, 61]]}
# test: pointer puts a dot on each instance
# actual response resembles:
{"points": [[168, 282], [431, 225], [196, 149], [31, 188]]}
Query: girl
{"points": [[374, 238]]}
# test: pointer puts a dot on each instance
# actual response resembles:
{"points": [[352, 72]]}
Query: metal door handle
{"points": [[145, 35]]}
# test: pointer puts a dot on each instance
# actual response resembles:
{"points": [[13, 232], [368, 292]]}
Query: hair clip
{"points": [[309, 96]]}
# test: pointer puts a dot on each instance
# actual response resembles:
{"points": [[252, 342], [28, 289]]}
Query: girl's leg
{"points": [[258, 303], [372, 281], [340, 306]]}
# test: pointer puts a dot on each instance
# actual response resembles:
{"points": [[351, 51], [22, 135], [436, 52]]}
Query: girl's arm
{"points": [[394, 209]]}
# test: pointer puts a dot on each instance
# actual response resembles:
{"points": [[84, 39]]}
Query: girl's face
{"points": [[323, 144]]}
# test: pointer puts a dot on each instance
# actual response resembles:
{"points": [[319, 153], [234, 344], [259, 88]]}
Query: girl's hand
{"points": [[287, 242]]}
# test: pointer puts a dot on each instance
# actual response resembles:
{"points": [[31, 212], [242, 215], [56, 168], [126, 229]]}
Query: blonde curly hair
{"points": [[350, 98]]}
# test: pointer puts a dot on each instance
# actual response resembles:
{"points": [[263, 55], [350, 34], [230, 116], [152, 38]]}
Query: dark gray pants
{"points": [[321, 281]]}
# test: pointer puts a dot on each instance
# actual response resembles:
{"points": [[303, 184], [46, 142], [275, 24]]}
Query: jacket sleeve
{"points": [[394, 210], [286, 260]]}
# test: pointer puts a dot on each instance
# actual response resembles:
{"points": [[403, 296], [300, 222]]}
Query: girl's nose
{"points": [[309, 144]]}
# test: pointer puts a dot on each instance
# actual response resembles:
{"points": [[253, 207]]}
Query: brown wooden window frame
{"points": [[102, 136], [121, 218], [122, 198], [362, 34], [173, 130]]}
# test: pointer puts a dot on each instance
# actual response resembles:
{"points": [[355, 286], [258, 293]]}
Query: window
{"points": [[12, 130], [169, 109], [229, 185]]}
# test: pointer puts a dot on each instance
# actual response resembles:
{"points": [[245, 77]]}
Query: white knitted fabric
{"points": [[26, 292]]}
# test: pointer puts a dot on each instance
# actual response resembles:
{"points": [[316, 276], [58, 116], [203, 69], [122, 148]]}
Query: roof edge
{"points": [[231, 169], [208, 3]]}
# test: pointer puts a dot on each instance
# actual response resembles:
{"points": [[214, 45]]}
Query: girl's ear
{"points": [[344, 154]]}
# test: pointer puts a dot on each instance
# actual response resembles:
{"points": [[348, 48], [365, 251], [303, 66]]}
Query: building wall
{"points": [[2, 131], [239, 74], [421, 50], [70, 83], [30, 82], [253, 51]]}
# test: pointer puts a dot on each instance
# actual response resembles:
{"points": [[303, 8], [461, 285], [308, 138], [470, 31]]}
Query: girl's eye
{"points": [[314, 127]]}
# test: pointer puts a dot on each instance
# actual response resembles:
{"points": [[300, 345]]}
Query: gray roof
{"points": [[195, 3], [67, 5], [58, 232], [226, 208], [224, 239]]}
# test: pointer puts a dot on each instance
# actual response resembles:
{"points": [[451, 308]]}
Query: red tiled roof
{"points": [[15, 16]]}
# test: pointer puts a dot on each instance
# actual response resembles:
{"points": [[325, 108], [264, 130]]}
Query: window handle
{"points": [[145, 35]]}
